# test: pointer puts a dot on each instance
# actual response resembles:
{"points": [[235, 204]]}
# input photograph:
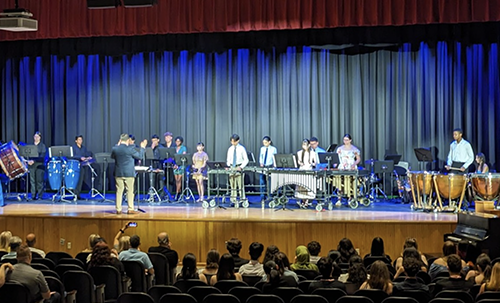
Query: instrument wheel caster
{"points": [[205, 204], [319, 207], [272, 204], [412, 207], [245, 204], [353, 203], [212, 203], [366, 202], [338, 203], [330, 206]]}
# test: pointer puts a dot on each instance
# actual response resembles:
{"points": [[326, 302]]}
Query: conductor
{"points": [[124, 156]]}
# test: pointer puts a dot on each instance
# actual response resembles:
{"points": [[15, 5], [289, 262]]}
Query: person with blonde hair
{"points": [[494, 283], [5, 240], [379, 278]]}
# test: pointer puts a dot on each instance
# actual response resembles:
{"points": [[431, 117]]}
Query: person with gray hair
{"points": [[165, 248], [14, 244]]}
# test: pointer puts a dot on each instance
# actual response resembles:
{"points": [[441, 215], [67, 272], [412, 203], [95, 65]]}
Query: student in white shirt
{"points": [[237, 159], [266, 159], [460, 152]]}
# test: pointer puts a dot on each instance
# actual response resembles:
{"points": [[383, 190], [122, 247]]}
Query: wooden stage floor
{"points": [[65, 227]]}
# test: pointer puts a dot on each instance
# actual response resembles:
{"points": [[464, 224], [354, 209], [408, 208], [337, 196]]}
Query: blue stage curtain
{"points": [[387, 100]]}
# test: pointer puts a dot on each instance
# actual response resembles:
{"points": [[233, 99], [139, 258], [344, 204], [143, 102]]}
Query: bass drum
{"points": [[11, 162], [486, 186]]}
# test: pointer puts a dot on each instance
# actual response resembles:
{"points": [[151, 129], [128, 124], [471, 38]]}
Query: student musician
{"points": [[306, 158], [461, 155], [481, 167], [236, 161], [200, 159], [266, 159]]}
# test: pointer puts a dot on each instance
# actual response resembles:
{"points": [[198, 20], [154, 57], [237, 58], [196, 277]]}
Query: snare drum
{"points": [[451, 187], [54, 169], [11, 162], [486, 186], [72, 174], [417, 181]]}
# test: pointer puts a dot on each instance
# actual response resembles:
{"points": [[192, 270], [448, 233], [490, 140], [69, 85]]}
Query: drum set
{"points": [[63, 177]]}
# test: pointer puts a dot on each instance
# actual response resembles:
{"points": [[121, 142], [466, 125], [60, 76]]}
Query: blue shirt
{"points": [[271, 151], [318, 151], [133, 254]]}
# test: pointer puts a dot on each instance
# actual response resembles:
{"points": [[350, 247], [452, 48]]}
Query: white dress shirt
{"points": [[271, 151], [241, 156], [461, 152]]}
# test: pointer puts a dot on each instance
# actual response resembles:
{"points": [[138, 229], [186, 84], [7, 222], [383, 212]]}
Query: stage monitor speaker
{"points": [[93, 4], [139, 3]]}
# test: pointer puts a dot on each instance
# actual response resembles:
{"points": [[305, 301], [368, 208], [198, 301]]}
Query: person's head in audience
{"points": [[164, 240], [325, 267], [346, 250], [410, 242], [101, 255], [336, 270], [135, 241], [123, 243], [314, 248], [483, 264], [377, 247], [189, 270], [302, 255], [357, 272], [379, 276], [93, 239], [273, 273], [4, 240], [449, 248], [234, 246], [333, 255], [454, 264], [271, 250], [255, 250], [226, 268], [31, 240], [23, 254], [282, 261], [494, 282], [412, 266], [213, 257], [14, 243], [468, 251]]}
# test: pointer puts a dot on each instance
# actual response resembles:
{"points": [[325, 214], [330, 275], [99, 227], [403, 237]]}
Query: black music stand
{"points": [[167, 155], [218, 166], [285, 161], [105, 159], [28, 152], [63, 151], [331, 148], [185, 160], [423, 155], [382, 167], [331, 158], [152, 192], [395, 158]]}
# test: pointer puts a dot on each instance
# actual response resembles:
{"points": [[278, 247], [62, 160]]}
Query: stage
{"points": [[66, 226]]}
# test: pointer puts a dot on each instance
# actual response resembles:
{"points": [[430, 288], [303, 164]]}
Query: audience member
{"points": [[134, 254], [226, 269], [101, 255], [270, 252], [482, 272], [165, 248], [4, 240], [3, 271], [411, 267], [31, 241], [379, 278], [329, 276], [212, 266], [253, 268], [31, 278], [302, 259], [189, 270], [283, 263], [14, 243], [410, 242], [92, 242], [356, 273], [494, 283], [275, 278], [346, 250], [123, 244], [377, 250], [314, 249], [455, 281], [411, 252], [440, 264], [233, 246]]}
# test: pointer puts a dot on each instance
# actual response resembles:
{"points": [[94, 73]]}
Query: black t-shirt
{"points": [[238, 262], [170, 254]]}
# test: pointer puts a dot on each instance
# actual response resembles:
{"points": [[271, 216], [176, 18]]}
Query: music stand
{"points": [[185, 160], [218, 166], [28, 152], [285, 161], [330, 158], [105, 159], [152, 192], [167, 155], [251, 158], [63, 151], [393, 157], [331, 148], [423, 155]]}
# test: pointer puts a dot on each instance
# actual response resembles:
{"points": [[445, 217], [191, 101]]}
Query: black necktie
{"points": [[265, 157]]}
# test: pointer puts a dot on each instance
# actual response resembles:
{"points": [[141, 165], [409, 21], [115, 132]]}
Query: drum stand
{"points": [[215, 202], [93, 191], [375, 190], [152, 192], [186, 193], [62, 193]]}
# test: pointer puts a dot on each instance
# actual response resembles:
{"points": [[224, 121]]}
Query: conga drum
{"points": [[54, 170], [451, 187], [421, 184], [486, 186], [72, 174], [12, 164]]}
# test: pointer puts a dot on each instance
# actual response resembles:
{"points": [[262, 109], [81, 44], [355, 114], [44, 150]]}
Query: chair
{"points": [[260, 285], [72, 261], [56, 285], [47, 262], [286, 293], [35, 255], [430, 261], [136, 271], [109, 276], [474, 290], [426, 279], [50, 273], [456, 294], [9, 260], [185, 285], [220, 298], [163, 274], [488, 301], [330, 294], [495, 261], [200, 292], [82, 282], [369, 260], [344, 265], [261, 298], [62, 268], [354, 299], [244, 292], [488, 295], [419, 295], [308, 299], [351, 288], [308, 273], [250, 279], [2, 253], [225, 285], [55, 256], [82, 256], [14, 292], [304, 285], [157, 291], [134, 297], [446, 300], [301, 278], [334, 255], [39, 266], [441, 275], [376, 295], [399, 300], [177, 298]]}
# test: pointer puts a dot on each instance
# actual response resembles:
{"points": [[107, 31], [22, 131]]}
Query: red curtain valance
{"points": [[72, 19]]}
